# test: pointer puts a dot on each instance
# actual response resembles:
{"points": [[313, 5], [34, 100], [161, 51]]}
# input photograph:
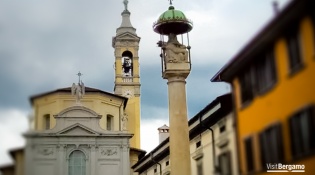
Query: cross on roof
{"points": [[170, 1], [79, 74], [126, 4]]}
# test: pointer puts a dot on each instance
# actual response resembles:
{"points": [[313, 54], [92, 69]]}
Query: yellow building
{"points": [[273, 82], [17, 168], [46, 105]]}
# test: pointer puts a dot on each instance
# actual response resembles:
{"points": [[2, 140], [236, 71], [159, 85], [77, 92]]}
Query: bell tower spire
{"points": [[127, 73], [126, 25]]}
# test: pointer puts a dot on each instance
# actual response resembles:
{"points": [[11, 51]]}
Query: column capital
{"points": [[177, 78]]}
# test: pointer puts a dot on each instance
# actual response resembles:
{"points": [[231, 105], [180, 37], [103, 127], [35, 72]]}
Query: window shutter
{"points": [[280, 155], [312, 127], [263, 149], [249, 153]]}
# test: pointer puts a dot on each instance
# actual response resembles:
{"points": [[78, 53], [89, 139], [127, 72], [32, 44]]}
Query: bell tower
{"points": [[127, 74]]}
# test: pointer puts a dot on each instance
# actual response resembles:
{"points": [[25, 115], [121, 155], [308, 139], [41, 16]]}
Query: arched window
{"points": [[127, 64], [77, 164]]}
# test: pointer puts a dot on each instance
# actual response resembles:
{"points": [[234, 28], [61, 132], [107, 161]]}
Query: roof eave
{"points": [[68, 90], [268, 34]]}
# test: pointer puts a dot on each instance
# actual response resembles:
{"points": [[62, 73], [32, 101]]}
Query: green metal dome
{"points": [[172, 21]]}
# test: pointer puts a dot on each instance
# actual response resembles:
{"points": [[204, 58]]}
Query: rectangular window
{"points": [[294, 49], [302, 129], [222, 128], [109, 122], [265, 70], [246, 83], [225, 163], [199, 166], [47, 121], [249, 154], [259, 76], [271, 145], [198, 144], [167, 163]]}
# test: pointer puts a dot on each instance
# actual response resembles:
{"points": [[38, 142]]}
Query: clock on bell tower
{"points": [[127, 74]]}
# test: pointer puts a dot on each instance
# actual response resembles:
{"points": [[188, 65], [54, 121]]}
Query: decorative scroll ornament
{"points": [[125, 147], [126, 43], [78, 90], [45, 151], [109, 151]]}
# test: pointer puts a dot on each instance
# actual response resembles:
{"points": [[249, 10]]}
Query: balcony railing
{"points": [[127, 79]]}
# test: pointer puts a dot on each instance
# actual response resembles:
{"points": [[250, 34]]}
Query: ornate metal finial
{"points": [[126, 4], [170, 1], [78, 90], [79, 74]]}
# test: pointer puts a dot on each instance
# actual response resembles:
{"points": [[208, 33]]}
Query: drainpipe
{"points": [[215, 168], [151, 154]]}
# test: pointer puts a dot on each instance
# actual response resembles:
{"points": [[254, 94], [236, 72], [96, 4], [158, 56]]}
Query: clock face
{"points": [[127, 93]]}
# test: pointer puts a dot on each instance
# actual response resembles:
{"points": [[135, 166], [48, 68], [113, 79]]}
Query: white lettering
{"points": [[279, 167]]}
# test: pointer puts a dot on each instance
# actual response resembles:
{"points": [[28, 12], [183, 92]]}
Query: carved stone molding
{"points": [[61, 147], [45, 151], [125, 147], [109, 151], [93, 148]]}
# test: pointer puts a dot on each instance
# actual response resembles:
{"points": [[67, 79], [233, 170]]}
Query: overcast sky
{"points": [[43, 45]]}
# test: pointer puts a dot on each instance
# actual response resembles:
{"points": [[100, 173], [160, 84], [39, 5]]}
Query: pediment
{"points": [[77, 130], [127, 36], [77, 111]]}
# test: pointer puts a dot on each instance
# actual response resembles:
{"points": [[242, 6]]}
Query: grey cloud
{"points": [[45, 43], [200, 91]]}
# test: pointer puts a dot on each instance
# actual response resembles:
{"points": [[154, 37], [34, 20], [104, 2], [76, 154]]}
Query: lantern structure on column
{"points": [[176, 66], [173, 23]]}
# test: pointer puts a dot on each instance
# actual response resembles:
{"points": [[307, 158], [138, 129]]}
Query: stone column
{"points": [[179, 134], [176, 69], [93, 159], [125, 159], [62, 158]]}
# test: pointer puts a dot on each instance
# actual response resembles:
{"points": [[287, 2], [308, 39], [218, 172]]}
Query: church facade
{"points": [[80, 130], [77, 145]]}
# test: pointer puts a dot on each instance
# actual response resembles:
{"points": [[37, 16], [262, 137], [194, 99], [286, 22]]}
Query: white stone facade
{"points": [[77, 145]]}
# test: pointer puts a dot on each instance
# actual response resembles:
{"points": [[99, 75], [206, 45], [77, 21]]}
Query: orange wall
{"points": [[289, 95]]}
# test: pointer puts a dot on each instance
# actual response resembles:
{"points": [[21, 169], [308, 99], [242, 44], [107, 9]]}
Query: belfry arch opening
{"points": [[127, 63]]}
